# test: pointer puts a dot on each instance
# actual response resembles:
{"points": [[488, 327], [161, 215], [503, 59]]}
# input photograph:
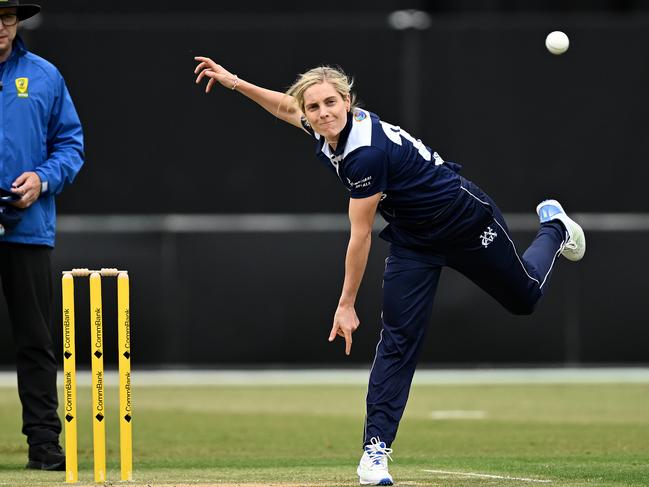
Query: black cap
{"points": [[23, 11]]}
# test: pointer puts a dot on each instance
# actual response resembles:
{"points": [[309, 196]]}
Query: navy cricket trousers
{"points": [[474, 240]]}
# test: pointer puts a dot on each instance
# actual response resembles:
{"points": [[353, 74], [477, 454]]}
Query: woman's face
{"points": [[325, 110]]}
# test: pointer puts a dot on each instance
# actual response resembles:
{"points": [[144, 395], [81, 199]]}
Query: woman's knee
{"points": [[524, 305]]}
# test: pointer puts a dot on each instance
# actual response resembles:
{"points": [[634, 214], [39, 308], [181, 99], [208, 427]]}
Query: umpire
{"points": [[41, 152]]}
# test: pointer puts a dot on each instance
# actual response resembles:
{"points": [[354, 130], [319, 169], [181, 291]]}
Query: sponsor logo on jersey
{"points": [[487, 237], [359, 116], [21, 86], [361, 183]]}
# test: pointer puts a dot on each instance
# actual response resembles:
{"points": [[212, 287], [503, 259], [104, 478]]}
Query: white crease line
{"points": [[487, 476], [458, 414]]}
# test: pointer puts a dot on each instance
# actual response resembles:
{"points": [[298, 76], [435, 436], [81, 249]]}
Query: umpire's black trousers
{"points": [[27, 285]]}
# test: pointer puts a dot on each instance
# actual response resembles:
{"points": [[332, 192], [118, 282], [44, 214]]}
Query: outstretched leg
{"points": [[493, 263]]}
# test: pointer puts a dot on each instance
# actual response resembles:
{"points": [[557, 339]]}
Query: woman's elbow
{"points": [[362, 233]]}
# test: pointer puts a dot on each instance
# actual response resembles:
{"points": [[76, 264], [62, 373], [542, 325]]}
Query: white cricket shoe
{"points": [[575, 247], [373, 467]]}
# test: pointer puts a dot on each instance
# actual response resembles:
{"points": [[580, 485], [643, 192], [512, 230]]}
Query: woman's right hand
{"points": [[345, 323], [215, 72]]}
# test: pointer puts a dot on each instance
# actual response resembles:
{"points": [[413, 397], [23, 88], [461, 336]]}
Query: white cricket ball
{"points": [[557, 42]]}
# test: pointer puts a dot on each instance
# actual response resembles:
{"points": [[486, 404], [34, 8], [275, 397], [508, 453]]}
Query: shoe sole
{"points": [[381, 482], [34, 465], [576, 235]]}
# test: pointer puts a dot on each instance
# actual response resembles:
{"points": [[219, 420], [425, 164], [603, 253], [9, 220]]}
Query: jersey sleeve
{"points": [[366, 170]]}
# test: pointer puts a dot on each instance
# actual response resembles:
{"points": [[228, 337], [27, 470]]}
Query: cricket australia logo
{"points": [[487, 237], [21, 86]]}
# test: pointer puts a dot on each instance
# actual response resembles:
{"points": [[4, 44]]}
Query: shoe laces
{"points": [[569, 243], [377, 451]]}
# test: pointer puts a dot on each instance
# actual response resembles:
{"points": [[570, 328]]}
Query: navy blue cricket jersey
{"points": [[373, 156]]}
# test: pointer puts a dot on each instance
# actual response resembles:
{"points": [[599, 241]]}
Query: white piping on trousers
{"points": [[508, 238], [376, 352], [552, 264]]}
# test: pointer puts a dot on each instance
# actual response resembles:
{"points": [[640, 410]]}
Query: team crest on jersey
{"points": [[487, 237], [22, 85], [359, 116]]}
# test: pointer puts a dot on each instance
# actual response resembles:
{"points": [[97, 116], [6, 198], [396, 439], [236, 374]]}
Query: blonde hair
{"points": [[336, 77]]}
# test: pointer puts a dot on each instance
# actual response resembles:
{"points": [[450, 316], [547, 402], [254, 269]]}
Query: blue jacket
{"points": [[40, 131]]}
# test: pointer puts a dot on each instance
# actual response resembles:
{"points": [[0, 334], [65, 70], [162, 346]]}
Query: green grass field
{"points": [[571, 435]]}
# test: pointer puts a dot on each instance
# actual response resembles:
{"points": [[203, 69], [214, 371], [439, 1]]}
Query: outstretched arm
{"points": [[361, 215], [279, 104]]}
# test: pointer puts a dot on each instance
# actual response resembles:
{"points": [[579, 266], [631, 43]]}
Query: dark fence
{"points": [[485, 93], [234, 298]]}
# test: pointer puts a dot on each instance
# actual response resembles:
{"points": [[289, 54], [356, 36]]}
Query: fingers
{"points": [[199, 67], [21, 204], [204, 62], [209, 74], [347, 335], [208, 68], [27, 198], [348, 342], [28, 186], [20, 180], [333, 333], [204, 67], [212, 78], [201, 75]]}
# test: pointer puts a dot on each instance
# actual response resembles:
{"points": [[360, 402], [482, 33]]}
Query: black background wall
{"points": [[490, 95], [477, 85]]}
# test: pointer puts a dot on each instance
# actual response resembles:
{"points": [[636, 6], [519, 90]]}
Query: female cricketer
{"points": [[435, 218]]}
